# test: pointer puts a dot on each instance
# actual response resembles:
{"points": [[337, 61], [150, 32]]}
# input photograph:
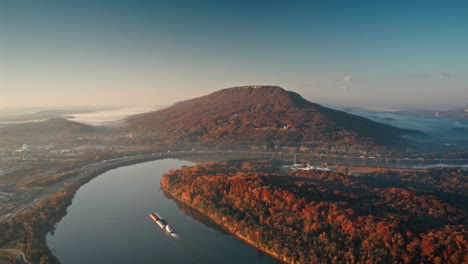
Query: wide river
{"points": [[108, 222]]}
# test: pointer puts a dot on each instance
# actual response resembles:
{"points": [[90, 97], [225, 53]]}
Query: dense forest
{"points": [[329, 217], [267, 116]]}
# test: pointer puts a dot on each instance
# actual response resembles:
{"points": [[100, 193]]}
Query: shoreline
{"points": [[91, 172], [232, 232], [66, 193], [97, 169]]}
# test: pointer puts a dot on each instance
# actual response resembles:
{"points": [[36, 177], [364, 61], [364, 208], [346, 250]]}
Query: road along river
{"points": [[108, 222]]}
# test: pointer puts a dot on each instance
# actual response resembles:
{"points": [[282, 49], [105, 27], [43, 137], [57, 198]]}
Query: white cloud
{"points": [[310, 82]]}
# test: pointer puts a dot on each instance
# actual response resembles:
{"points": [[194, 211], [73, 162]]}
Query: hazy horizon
{"points": [[373, 106], [368, 106], [147, 53]]}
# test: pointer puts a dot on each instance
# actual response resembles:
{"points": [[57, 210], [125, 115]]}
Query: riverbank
{"points": [[121, 232], [313, 216], [83, 171], [56, 206], [29, 228], [231, 231]]}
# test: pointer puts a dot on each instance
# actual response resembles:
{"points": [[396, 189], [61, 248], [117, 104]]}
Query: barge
{"points": [[161, 222]]}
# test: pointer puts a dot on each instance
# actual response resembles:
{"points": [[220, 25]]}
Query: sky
{"points": [[147, 53]]}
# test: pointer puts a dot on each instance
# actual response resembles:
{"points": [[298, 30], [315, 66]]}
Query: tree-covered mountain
{"points": [[266, 115]]}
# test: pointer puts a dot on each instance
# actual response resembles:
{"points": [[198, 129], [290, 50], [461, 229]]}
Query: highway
{"points": [[17, 253], [90, 170]]}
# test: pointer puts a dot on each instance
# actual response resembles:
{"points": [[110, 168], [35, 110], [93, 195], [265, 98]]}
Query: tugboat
{"points": [[161, 222]]}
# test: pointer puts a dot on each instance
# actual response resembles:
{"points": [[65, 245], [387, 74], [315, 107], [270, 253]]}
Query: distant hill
{"points": [[263, 115], [461, 113], [51, 127], [24, 115]]}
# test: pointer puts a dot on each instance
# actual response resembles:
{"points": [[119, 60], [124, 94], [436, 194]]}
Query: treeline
{"points": [[327, 217]]}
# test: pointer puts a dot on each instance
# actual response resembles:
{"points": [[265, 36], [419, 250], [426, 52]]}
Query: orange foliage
{"points": [[326, 217]]}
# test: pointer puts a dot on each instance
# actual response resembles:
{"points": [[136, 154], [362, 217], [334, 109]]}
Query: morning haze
{"points": [[233, 132]]}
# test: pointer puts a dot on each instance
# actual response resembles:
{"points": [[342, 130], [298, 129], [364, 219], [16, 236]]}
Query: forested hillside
{"points": [[262, 115], [327, 217]]}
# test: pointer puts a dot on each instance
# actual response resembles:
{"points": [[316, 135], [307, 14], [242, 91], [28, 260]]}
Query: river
{"points": [[108, 222]]}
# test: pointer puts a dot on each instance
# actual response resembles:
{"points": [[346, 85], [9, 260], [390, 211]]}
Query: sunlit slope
{"points": [[256, 114]]}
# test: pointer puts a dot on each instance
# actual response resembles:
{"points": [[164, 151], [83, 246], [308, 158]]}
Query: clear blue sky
{"points": [[362, 53]]}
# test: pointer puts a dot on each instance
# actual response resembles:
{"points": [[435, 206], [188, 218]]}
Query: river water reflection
{"points": [[108, 222]]}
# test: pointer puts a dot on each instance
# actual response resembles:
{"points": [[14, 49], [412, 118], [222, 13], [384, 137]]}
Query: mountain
{"points": [[51, 127], [23, 115], [265, 115]]}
